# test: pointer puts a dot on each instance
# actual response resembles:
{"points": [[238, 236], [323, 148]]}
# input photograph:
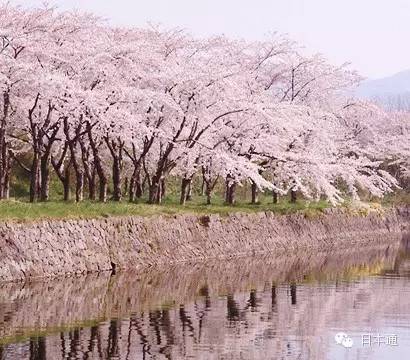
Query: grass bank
{"points": [[23, 210]]}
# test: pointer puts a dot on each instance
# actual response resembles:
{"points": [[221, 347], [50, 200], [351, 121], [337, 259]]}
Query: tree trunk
{"points": [[4, 152], [78, 169], [116, 178], [98, 165], [203, 186], [255, 193], [157, 186], [79, 182], [184, 190], [91, 190], [34, 171], [152, 195], [116, 147], [89, 168], [91, 185], [45, 161], [62, 169], [135, 188], [1, 179], [45, 178], [6, 186], [126, 184], [143, 185], [203, 183], [139, 187], [79, 186], [6, 176], [155, 191], [66, 183], [230, 192], [131, 191], [163, 189], [293, 196], [227, 187], [102, 196], [189, 191], [208, 192], [5, 171], [275, 197]]}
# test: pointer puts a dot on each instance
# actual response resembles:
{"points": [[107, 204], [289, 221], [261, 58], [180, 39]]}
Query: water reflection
{"points": [[259, 308]]}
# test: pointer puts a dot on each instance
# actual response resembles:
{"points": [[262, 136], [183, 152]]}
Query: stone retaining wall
{"points": [[51, 248]]}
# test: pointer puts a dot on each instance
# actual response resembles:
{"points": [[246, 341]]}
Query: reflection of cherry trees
{"points": [[204, 311], [268, 322], [132, 107]]}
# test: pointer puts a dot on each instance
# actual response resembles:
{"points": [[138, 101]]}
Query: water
{"points": [[260, 308]]}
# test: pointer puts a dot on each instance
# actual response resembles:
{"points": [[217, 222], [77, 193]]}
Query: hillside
{"points": [[392, 92]]}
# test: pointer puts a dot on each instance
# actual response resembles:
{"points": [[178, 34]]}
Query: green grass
{"points": [[23, 210]]}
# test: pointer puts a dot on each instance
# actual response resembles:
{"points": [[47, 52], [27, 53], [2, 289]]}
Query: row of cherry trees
{"points": [[131, 107]]}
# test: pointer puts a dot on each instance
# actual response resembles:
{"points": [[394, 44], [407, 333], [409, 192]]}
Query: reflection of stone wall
{"points": [[260, 318], [63, 302], [48, 248]]}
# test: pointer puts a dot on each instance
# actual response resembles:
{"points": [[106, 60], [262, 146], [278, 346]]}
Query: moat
{"points": [[250, 308]]}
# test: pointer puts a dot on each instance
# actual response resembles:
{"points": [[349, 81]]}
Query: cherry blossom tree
{"points": [[132, 107]]}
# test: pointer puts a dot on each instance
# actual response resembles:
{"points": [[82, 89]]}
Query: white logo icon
{"points": [[344, 340]]}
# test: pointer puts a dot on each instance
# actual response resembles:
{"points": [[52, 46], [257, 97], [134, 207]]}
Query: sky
{"points": [[373, 35]]}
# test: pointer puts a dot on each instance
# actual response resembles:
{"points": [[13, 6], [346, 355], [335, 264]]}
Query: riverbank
{"points": [[49, 248], [60, 210], [23, 210]]}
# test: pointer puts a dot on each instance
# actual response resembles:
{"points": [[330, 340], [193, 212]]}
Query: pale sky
{"points": [[373, 35]]}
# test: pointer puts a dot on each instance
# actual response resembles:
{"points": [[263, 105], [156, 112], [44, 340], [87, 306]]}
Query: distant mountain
{"points": [[392, 92]]}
